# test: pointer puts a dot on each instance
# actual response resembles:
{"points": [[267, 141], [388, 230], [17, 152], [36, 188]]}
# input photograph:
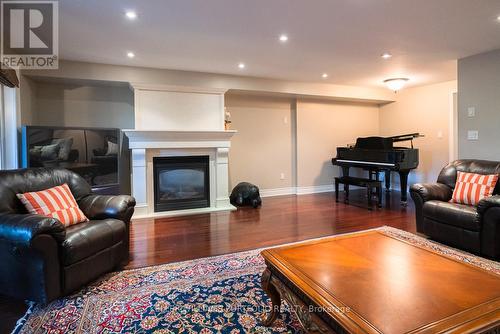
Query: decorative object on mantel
{"points": [[246, 194], [227, 119]]}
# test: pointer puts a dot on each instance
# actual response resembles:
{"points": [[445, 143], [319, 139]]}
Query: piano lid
{"points": [[384, 143], [374, 143]]}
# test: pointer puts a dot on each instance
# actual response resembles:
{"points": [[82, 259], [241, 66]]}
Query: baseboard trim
{"points": [[277, 192], [296, 190], [315, 189]]}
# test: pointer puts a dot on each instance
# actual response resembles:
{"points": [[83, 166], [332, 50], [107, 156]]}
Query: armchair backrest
{"points": [[18, 181], [448, 174]]}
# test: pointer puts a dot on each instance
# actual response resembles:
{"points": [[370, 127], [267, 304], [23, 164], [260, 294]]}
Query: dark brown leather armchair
{"points": [[473, 229], [41, 259]]}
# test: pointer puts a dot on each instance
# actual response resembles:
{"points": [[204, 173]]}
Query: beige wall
{"points": [[27, 99], [296, 138], [130, 74], [302, 148], [262, 148], [427, 110], [323, 126], [265, 146], [67, 104]]}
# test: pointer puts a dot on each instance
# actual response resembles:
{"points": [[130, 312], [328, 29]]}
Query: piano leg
{"points": [[345, 172], [387, 178], [403, 180]]}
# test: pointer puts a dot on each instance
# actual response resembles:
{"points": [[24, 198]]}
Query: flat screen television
{"points": [[93, 153]]}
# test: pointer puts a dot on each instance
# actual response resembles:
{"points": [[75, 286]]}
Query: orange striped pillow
{"points": [[57, 202], [470, 188]]}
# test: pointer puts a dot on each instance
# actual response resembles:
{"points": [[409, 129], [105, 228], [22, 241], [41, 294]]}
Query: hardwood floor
{"points": [[280, 220]]}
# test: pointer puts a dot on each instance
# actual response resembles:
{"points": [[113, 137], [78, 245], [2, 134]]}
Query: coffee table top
{"points": [[389, 285]]}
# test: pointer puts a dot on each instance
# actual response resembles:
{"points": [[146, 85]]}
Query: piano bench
{"points": [[369, 184]]}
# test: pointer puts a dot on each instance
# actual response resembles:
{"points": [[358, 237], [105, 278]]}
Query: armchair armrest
{"points": [[432, 191], [488, 202], [23, 228], [104, 206]]}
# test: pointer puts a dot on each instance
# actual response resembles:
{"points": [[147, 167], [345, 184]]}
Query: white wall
{"points": [[8, 128], [178, 110]]}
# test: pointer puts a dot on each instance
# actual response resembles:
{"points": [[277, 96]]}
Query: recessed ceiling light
{"points": [[283, 38], [130, 54], [131, 15], [498, 18], [241, 66], [386, 55], [324, 75]]}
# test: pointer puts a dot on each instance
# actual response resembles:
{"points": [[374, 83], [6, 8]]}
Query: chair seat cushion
{"points": [[459, 215], [86, 239]]}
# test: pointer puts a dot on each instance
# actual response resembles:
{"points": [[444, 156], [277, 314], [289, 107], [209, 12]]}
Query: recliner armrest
{"points": [[488, 202], [23, 228], [432, 191], [105, 206]]}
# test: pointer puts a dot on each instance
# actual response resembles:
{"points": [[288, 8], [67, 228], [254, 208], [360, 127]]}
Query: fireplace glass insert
{"points": [[181, 182]]}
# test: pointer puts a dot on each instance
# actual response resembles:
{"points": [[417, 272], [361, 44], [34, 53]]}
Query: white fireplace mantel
{"points": [[147, 144], [178, 139]]}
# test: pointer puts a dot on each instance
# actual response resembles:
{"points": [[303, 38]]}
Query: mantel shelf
{"points": [[177, 139]]}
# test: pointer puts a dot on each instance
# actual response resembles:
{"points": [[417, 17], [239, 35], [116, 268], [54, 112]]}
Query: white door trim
{"points": [[453, 127]]}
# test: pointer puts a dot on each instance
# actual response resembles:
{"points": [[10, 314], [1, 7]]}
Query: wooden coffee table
{"points": [[372, 283]]}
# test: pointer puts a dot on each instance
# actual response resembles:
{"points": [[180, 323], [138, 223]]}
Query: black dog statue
{"points": [[245, 194]]}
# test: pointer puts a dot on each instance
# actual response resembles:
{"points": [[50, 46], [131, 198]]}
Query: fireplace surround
{"points": [[181, 182], [179, 121], [148, 145]]}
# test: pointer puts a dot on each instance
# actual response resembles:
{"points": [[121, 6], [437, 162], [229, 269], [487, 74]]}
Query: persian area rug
{"points": [[220, 294]]}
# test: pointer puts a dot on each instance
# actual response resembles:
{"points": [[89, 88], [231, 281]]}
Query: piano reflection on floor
{"points": [[378, 154]]}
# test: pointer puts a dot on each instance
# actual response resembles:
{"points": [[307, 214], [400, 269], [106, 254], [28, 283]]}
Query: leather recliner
{"points": [[40, 258], [475, 229]]}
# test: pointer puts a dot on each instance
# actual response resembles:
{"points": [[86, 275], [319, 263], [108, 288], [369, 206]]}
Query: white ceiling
{"points": [[343, 38]]}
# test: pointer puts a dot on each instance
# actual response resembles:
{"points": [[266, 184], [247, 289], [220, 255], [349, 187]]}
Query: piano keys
{"points": [[378, 154]]}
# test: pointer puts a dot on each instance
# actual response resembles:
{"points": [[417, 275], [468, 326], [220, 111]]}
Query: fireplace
{"points": [[181, 182]]}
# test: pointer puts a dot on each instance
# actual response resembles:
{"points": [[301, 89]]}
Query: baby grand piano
{"points": [[378, 154]]}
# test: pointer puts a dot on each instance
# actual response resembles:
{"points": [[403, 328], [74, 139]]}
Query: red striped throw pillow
{"points": [[57, 202], [470, 188]]}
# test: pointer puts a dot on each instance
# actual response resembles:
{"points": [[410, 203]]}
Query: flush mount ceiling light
{"points": [[396, 84], [386, 55], [324, 75], [130, 54], [283, 38], [131, 15], [241, 66]]}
